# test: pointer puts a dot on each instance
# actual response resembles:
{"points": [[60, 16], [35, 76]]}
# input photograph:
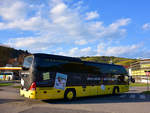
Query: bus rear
{"points": [[37, 79], [28, 84]]}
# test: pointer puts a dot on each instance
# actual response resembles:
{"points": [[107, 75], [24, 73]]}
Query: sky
{"points": [[77, 28]]}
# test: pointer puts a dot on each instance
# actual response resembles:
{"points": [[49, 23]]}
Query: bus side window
{"points": [[126, 79], [45, 79], [46, 76], [121, 78], [74, 79], [92, 79]]}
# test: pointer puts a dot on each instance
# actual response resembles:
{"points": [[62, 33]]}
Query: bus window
{"points": [[75, 79], [27, 62], [123, 79], [46, 79], [46, 76], [126, 79], [92, 79]]}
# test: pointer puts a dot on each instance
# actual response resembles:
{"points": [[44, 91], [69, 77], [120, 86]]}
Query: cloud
{"points": [[81, 42], [62, 25], [77, 52], [15, 15], [146, 26], [64, 32], [12, 10], [34, 45], [58, 9], [119, 23], [123, 51], [33, 24], [103, 49], [91, 15], [112, 31]]}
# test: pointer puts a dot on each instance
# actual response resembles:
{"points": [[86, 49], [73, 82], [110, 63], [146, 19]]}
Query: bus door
{"points": [[92, 81], [105, 85]]}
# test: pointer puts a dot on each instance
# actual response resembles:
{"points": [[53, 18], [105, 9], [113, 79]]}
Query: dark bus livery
{"points": [[46, 76]]}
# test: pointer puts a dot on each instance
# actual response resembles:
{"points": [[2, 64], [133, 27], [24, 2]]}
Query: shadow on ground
{"points": [[103, 99], [56, 110], [2, 101]]}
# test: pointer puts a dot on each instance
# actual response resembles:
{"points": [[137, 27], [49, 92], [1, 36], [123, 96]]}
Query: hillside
{"points": [[15, 57], [11, 56], [110, 59]]}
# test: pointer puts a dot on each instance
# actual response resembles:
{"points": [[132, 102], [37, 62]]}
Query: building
{"points": [[138, 70], [9, 73]]}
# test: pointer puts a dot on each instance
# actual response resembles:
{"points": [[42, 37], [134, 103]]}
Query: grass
{"points": [[138, 85], [5, 84]]}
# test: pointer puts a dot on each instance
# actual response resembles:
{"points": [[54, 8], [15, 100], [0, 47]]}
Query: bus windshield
{"points": [[27, 62]]}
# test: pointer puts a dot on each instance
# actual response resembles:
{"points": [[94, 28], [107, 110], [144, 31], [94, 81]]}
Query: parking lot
{"points": [[131, 102]]}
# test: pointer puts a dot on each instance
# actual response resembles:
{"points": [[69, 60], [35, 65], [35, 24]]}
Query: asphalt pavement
{"points": [[131, 102]]}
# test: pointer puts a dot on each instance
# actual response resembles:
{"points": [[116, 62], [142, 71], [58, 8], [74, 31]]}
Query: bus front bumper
{"points": [[28, 94]]}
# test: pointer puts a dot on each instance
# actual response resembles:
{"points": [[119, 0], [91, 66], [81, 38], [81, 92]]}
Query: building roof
{"points": [[10, 68], [144, 59]]}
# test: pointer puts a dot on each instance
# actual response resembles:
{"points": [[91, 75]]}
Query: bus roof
{"points": [[57, 57], [10, 68], [102, 67]]}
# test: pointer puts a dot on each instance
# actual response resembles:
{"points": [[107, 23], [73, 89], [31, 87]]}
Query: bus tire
{"points": [[115, 90], [70, 94]]}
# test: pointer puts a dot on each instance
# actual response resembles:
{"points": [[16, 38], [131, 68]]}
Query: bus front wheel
{"points": [[70, 94]]}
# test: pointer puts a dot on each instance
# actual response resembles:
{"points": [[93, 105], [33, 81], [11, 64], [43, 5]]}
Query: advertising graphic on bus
{"points": [[60, 81]]}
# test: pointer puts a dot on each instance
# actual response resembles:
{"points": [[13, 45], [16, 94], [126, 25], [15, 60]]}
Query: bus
{"points": [[6, 76], [47, 76]]}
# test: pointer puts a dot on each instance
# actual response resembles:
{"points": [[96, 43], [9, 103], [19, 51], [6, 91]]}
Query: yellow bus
{"points": [[46, 76]]}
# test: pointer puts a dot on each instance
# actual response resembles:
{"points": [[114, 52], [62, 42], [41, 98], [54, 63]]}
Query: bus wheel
{"points": [[70, 94], [115, 90]]}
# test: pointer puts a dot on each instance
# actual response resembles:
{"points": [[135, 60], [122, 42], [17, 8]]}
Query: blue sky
{"points": [[77, 27]]}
